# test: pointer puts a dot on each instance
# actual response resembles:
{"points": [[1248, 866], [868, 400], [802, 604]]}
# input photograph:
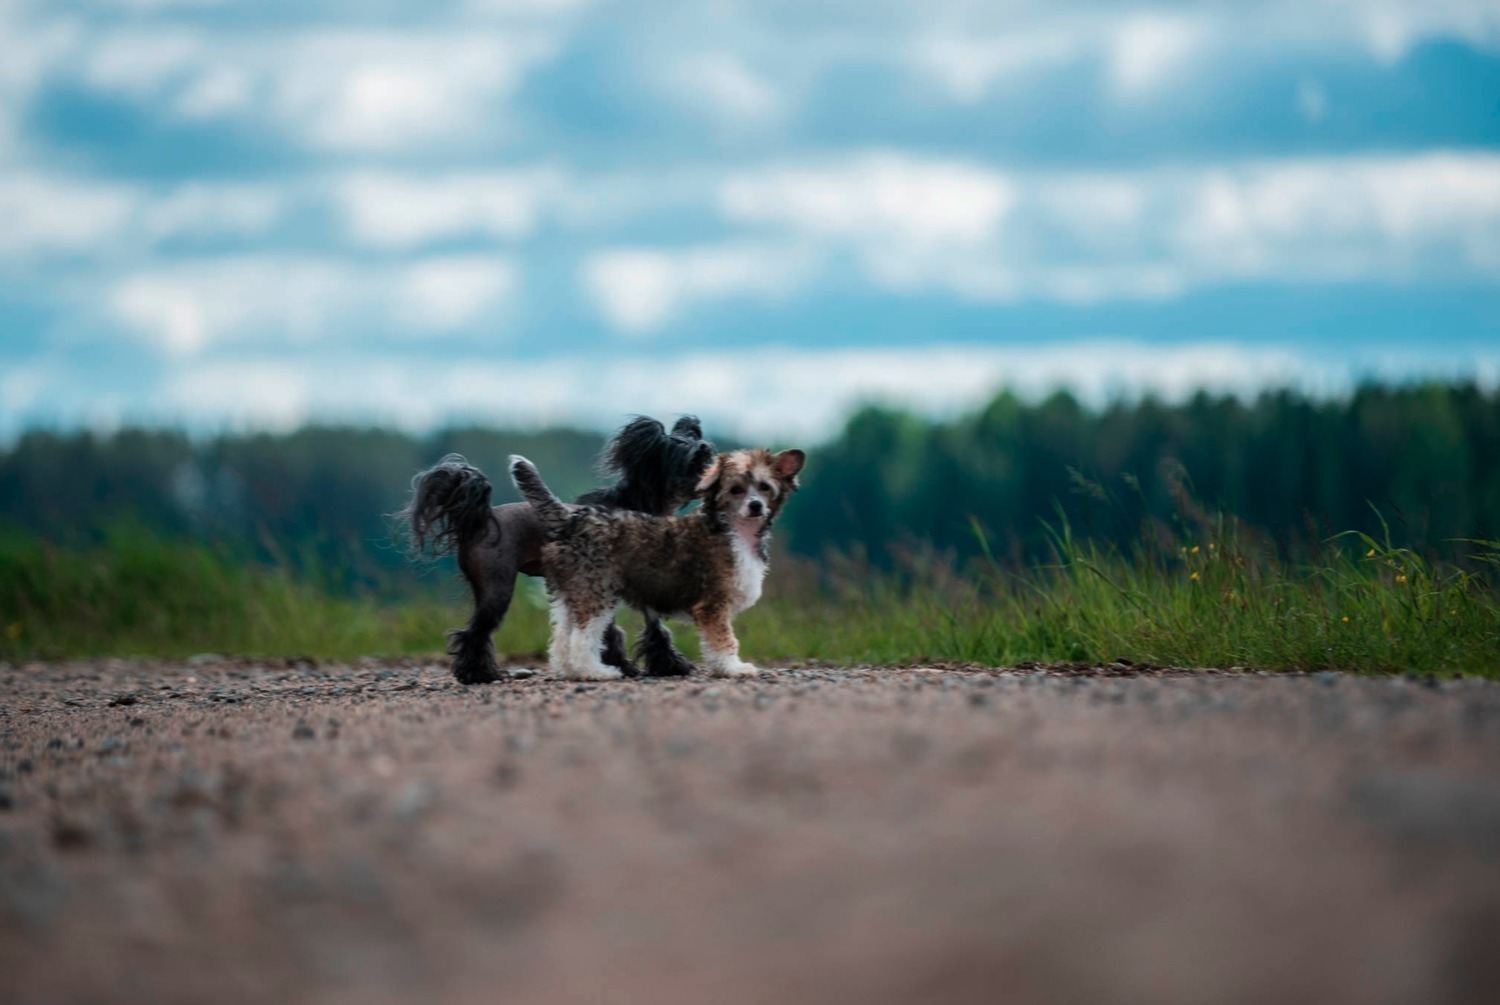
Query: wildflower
{"points": [[1370, 553], [1401, 577], [1194, 575], [1195, 549], [1455, 611], [1345, 619]]}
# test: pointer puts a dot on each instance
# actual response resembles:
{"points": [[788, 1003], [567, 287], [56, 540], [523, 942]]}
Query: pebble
{"points": [[303, 731], [522, 674]]}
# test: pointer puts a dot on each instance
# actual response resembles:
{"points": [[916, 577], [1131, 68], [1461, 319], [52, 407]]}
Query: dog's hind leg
{"points": [[615, 653], [491, 572], [578, 637], [655, 649]]}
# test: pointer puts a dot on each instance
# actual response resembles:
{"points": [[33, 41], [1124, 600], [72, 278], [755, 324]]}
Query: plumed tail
{"points": [[449, 507], [552, 511]]}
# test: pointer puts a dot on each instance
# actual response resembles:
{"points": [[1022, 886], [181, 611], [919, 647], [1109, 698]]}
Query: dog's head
{"points": [[659, 471], [750, 485]]}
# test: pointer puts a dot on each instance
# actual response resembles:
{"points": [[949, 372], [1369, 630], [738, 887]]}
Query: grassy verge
{"points": [[1362, 605], [138, 595]]}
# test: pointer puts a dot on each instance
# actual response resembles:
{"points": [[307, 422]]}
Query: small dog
{"points": [[708, 565], [659, 472]]}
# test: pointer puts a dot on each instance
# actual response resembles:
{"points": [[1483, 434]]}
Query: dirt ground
{"points": [[234, 831]]}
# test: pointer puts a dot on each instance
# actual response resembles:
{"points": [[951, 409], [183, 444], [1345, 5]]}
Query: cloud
{"points": [[184, 309], [1146, 51], [41, 215], [374, 90], [640, 290], [875, 197], [722, 86], [392, 211], [916, 226]]}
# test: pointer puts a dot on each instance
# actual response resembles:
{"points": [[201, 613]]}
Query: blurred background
{"points": [[994, 261]]}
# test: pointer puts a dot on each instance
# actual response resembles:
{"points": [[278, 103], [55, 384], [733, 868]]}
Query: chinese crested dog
{"points": [[707, 565], [658, 472]]}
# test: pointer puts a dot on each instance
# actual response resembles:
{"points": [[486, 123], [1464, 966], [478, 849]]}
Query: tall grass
{"points": [[137, 594], [1360, 604]]}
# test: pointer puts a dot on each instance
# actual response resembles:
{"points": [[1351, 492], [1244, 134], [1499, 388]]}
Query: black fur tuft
{"points": [[657, 470], [450, 506]]}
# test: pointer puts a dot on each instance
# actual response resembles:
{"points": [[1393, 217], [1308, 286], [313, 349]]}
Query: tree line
{"points": [[1289, 468]]}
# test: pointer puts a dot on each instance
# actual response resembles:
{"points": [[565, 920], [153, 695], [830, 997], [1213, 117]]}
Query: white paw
{"points": [[737, 668], [600, 672]]}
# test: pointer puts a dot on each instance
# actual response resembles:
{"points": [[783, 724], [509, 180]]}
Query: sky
{"points": [[252, 214]]}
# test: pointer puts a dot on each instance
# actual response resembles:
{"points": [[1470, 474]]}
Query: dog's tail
{"points": [[449, 507], [552, 511]]}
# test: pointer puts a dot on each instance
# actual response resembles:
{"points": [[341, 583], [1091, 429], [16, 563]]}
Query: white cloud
{"points": [[392, 211], [40, 215], [204, 210], [721, 85], [968, 68], [1146, 51], [914, 226], [876, 197], [343, 90], [184, 309], [639, 290]]}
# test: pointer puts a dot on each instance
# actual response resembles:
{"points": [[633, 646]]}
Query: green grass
{"points": [[140, 595], [1361, 605]]}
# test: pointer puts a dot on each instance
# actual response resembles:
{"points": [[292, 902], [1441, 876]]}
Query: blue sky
{"points": [[254, 214]]}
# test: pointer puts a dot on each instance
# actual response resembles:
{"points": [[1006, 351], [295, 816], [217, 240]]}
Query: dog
{"points": [[708, 565], [449, 511]]}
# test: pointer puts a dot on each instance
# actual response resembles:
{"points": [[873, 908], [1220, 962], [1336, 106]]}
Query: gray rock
{"points": [[522, 674]]}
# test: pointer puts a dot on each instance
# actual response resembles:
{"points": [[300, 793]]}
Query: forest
{"points": [[1418, 462]]}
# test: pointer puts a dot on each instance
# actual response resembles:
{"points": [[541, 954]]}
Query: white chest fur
{"points": [[749, 572]]}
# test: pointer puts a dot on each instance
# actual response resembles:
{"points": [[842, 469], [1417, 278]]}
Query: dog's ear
{"points": [[711, 476], [631, 445], [787, 464], [689, 427]]}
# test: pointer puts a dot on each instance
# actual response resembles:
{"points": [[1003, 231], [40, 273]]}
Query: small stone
{"points": [[7, 801], [302, 731], [123, 699], [1327, 678], [110, 745], [522, 674]]}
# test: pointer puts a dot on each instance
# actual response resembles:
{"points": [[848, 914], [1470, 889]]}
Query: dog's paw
{"points": [[669, 664], [736, 668], [600, 672]]}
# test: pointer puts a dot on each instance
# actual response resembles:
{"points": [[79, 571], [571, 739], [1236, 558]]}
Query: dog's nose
{"points": [[755, 507]]}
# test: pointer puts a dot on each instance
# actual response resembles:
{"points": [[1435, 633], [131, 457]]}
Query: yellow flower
{"points": [[1212, 546], [1193, 576], [1195, 549], [1455, 611], [1370, 553], [1345, 619], [1401, 578]]}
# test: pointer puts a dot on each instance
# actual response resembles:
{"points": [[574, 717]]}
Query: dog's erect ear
{"points": [[711, 476], [689, 427], [787, 464]]}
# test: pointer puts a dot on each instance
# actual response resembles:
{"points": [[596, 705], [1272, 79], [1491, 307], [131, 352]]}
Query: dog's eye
{"points": [[763, 487], [738, 490]]}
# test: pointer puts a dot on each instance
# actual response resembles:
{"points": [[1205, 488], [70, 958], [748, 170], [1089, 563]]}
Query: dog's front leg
{"points": [[721, 650]]}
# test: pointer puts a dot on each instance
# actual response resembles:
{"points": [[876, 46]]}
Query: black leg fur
{"points": [[615, 654], [655, 649]]}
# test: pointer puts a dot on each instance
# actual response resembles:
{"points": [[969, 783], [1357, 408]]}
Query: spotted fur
{"points": [[708, 565]]}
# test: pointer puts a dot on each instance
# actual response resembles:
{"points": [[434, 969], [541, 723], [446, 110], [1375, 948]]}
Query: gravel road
{"points": [[229, 831]]}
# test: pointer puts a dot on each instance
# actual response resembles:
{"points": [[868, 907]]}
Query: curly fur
{"points": [[708, 565], [450, 512]]}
